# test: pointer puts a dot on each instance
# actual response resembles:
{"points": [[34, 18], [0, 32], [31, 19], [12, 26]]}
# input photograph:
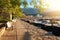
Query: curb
{"points": [[2, 31]]}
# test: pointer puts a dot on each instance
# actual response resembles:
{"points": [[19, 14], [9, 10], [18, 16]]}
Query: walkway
{"points": [[25, 31]]}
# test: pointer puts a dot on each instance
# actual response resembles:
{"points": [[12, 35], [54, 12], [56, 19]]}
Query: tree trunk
{"points": [[10, 16]]}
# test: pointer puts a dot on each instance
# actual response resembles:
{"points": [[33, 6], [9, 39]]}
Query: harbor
{"points": [[29, 19], [46, 24]]}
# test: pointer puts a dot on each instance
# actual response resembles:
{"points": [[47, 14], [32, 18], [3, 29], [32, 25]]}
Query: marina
{"points": [[46, 24]]}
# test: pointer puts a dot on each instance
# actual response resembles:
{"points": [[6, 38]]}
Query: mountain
{"points": [[30, 11]]}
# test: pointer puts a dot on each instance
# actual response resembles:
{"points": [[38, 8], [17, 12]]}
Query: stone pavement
{"points": [[25, 31], [2, 30]]}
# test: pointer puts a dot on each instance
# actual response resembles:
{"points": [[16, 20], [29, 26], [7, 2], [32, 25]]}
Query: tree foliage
{"points": [[24, 3], [34, 3], [12, 8], [40, 4]]}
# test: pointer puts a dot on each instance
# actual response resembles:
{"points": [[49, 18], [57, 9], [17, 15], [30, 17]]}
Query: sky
{"points": [[28, 3], [29, 6]]}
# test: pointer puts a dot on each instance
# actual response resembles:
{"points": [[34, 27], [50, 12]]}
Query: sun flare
{"points": [[53, 4]]}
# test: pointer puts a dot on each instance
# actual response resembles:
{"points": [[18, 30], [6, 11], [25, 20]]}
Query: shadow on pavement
{"points": [[26, 36]]}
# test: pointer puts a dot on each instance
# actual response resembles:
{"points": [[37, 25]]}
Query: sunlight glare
{"points": [[53, 4]]}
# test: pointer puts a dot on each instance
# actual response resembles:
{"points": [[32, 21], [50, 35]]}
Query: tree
{"points": [[40, 4], [24, 3], [12, 8], [34, 2]]}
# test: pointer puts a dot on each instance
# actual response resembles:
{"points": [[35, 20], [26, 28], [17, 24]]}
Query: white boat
{"points": [[47, 23], [37, 21]]}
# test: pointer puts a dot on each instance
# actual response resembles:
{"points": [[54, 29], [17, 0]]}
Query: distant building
{"points": [[39, 15]]}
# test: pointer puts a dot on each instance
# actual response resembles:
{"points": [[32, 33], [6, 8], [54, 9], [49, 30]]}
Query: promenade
{"points": [[25, 31]]}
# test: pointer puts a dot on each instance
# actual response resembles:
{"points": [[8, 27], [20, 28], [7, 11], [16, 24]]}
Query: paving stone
{"points": [[25, 31]]}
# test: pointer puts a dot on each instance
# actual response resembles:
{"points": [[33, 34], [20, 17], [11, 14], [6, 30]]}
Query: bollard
{"points": [[9, 26]]}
